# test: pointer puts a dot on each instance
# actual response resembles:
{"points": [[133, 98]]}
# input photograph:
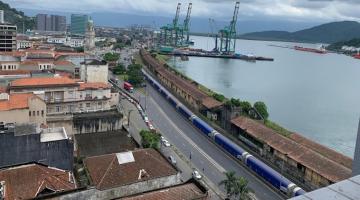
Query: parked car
{"points": [[162, 138], [138, 107], [172, 160], [151, 127], [196, 175], [166, 143], [146, 119]]}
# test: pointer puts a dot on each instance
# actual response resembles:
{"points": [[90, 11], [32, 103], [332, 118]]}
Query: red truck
{"points": [[128, 87]]}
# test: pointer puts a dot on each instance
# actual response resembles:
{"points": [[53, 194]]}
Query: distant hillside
{"points": [[16, 17], [326, 33], [350, 43]]}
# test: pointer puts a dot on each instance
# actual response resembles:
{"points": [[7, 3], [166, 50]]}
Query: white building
{"points": [[92, 70], [24, 44], [2, 16], [72, 42]]}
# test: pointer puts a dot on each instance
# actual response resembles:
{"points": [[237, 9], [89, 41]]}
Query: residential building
{"points": [[33, 180], [24, 44], [7, 37], [50, 23], [64, 95], [92, 70], [2, 17], [22, 108], [25, 143], [78, 24]]}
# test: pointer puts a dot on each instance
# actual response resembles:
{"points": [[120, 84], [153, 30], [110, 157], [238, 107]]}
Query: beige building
{"points": [[22, 108], [92, 70]]}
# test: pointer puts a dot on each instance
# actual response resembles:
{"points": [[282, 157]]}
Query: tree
{"points": [[242, 191], [135, 75], [235, 102], [261, 108], [109, 57], [229, 183], [119, 69], [219, 97], [150, 139], [245, 106]]}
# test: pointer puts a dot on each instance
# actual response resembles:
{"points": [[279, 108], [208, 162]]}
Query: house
{"points": [[33, 180]]}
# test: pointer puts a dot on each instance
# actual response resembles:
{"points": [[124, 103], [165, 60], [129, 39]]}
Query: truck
{"points": [[128, 87]]}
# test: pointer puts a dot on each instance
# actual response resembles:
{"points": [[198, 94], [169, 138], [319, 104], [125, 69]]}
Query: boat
{"points": [[357, 56], [321, 50]]}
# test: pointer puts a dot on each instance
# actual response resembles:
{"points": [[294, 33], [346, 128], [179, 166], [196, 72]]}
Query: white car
{"points": [[196, 175], [146, 119], [151, 127], [166, 143], [138, 107]]}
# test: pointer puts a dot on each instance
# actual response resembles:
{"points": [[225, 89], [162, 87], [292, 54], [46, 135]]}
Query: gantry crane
{"points": [[227, 36], [186, 26]]}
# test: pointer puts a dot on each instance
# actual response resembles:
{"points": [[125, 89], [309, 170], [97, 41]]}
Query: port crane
{"points": [[227, 35], [175, 34]]}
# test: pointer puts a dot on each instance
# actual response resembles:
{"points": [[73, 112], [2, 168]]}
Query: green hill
{"points": [[337, 45], [16, 17], [325, 33]]}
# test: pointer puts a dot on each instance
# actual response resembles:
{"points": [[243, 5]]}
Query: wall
{"points": [[94, 73], [37, 107], [17, 115], [125, 190]]}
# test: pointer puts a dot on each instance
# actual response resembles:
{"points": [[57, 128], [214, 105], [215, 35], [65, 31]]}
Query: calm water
{"points": [[315, 95]]}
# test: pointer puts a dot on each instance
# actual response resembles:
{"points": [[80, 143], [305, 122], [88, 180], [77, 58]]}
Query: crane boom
{"points": [[176, 19], [187, 22], [234, 19]]}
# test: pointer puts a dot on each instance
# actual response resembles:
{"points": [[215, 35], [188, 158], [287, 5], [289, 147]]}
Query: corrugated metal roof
{"points": [[348, 189]]}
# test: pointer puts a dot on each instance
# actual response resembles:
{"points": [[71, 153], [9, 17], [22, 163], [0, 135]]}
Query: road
{"points": [[208, 158]]}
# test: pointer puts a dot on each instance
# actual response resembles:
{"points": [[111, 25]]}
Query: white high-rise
{"points": [[2, 17]]}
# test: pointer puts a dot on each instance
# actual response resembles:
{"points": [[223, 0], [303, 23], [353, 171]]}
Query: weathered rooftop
{"points": [[318, 163], [210, 103], [106, 172], [188, 191], [94, 86], [15, 101], [93, 62], [94, 144], [33, 180], [43, 82]]}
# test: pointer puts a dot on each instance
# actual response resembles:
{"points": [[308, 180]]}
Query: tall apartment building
{"points": [[7, 37], [2, 17], [79, 24], [50, 22]]}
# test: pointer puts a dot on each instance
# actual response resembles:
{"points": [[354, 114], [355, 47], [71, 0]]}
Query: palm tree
{"points": [[241, 189], [229, 183]]}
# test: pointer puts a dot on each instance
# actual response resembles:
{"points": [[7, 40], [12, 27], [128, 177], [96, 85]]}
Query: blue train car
{"points": [[298, 191], [157, 86], [185, 112], [204, 127], [270, 175], [229, 146], [163, 92], [172, 100]]}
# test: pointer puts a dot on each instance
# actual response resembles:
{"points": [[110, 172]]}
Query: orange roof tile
{"points": [[94, 86], [330, 169], [27, 181], [14, 72], [63, 62], [43, 81], [16, 101]]}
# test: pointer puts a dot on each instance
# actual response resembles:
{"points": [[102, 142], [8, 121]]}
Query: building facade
{"points": [[7, 37], [92, 70], [50, 23], [78, 24], [90, 37]]}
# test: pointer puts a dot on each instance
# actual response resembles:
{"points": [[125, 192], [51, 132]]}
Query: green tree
{"points": [[118, 46], [150, 139], [241, 190], [235, 102], [261, 109], [109, 57], [135, 75], [219, 97], [119, 69], [229, 183], [245, 106]]}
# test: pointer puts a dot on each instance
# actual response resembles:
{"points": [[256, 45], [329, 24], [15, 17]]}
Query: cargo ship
{"points": [[321, 50], [357, 56]]}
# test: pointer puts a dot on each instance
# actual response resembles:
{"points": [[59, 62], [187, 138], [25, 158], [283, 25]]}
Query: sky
{"points": [[292, 10]]}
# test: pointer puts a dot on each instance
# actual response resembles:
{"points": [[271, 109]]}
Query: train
{"points": [[260, 168]]}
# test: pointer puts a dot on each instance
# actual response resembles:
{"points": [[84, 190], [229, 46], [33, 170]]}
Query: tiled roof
{"points": [[14, 72], [210, 103], [318, 163], [106, 172], [28, 181], [44, 81], [188, 191], [94, 86], [16, 101], [93, 62], [63, 62], [323, 150]]}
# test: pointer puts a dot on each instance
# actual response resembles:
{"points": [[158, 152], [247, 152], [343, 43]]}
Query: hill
{"points": [[16, 17], [325, 33], [337, 46]]}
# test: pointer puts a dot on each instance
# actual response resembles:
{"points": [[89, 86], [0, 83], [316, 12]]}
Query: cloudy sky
{"points": [[297, 10]]}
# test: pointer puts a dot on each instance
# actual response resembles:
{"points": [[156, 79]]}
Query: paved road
{"points": [[204, 155]]}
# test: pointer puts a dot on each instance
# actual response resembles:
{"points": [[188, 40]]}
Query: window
{"points": [[99, 105], [38, 113], [88, 105], [71, 108], [33, 113], [42, 113], [30, 113], [57, 108], [80, 106]]}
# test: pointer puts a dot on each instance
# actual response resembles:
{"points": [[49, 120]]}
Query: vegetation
{"points": [[135, 75], [119, 69], [277, 128], [18, 18], [150, 139], [219, 97], [111, 57], [236, 187], [262, 109], [79, 49], [338, 45], [325, 33]]}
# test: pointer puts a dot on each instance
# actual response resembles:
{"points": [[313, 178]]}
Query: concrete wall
{"points": [[12, 116], [126, 190], [37, 107], [94, 73]]}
